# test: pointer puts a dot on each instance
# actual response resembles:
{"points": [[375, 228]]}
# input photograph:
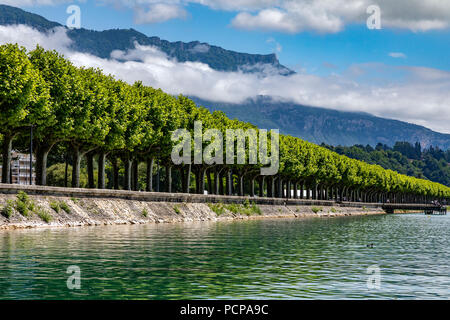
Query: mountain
{"points": [[313, 124], [319, 125], [102, 43]]}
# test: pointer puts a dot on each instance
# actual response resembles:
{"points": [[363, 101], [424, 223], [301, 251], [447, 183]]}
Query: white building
{"points": [[20, 168]]}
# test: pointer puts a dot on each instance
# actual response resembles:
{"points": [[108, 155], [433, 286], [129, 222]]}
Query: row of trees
{"points": [[431, 163], [104, 120]]}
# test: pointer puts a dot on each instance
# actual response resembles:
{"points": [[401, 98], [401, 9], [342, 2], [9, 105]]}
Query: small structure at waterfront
{"points": [[437, 211], [20, 169], [427, 208]]}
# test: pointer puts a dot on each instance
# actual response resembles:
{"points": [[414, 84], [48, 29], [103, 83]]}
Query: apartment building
{"points": [[20, 168]]}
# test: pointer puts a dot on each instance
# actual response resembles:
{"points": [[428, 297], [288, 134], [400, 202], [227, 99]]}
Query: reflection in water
{"points": [[272, 259]]}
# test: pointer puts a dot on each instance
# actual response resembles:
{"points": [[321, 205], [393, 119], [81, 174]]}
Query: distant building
{"points": [[20, 168]]}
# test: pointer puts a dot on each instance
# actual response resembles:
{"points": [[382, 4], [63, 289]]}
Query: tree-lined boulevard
{"points": [[105, 120]]}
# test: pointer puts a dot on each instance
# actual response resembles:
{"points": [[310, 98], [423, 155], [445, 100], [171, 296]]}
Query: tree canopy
{"points": [[95, 114]]}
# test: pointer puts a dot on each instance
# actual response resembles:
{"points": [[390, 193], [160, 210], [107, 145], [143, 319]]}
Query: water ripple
{"points": [[267, 259]]}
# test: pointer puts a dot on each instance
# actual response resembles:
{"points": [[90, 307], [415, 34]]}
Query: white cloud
{"points": [[30, 3], [291, 16], [158, 12], [57, 39], [397, 55], [200, 48], [422, 97], [278, 47], [330, 16]]}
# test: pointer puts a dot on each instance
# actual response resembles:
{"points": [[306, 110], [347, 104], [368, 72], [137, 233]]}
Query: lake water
{"points": [[264, 259]]}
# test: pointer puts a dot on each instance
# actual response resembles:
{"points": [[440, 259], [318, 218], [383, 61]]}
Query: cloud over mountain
{"points": [[419, 95]]}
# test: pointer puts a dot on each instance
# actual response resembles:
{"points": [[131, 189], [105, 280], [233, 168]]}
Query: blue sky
{"points": [[401, 71], [316, 52]]}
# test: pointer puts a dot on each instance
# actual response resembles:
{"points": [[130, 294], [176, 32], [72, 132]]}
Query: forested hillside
{"points": [[431, 163], [102, 43], [320, 125]]}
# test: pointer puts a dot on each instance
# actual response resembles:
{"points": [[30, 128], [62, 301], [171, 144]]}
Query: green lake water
{"points": [[263, 259]]}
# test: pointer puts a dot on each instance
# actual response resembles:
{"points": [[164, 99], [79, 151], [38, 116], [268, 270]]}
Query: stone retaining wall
{"points": [[104, 207]]}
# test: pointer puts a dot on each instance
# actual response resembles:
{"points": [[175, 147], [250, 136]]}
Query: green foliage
{"points": [[144, 212], [44, 215], [24, 95], [87, 110], [23, 197], [176, 209], [56, 175], [55, 206], [232, 207], [8, 209], [319, 125], [22, 208], [431, 163], [218, 208], [316, 209], [333, 210], [256, 209], [63, 205], [23, 204], [246, 208]]}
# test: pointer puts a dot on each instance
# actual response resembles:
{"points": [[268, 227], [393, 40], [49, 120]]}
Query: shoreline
{"points": [[84, 207]]}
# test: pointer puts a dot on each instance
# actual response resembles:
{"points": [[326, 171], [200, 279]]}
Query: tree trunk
{"points": [[220, 178], [135, 175], [90, 170], [6, 151], [201, 181], [301, 189], [76, 167], [127, 176], [288, 189], [252, 186], [42, 152], [149, 177], [66, 172], [229, 183], [216, 181], [270, 187], [158, 171], [101, 170], [188, 178], [183, 178], [295, 190], [261, 186], [169, 179], [241, 185], [115, 173], [210, 184], [280, 187]]}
